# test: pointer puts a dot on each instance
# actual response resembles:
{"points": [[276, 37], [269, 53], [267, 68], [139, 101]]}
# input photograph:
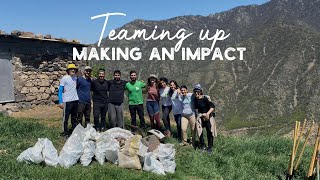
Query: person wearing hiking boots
{"points": [[188, 115], [84, 93], [134, 88], [152, 103], [205, 118], [116, 95], [68, 98], [176, 106], [166, 104], [100, 88]]}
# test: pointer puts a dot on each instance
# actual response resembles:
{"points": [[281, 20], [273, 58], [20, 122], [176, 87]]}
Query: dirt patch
{"points": [[47, 115]]}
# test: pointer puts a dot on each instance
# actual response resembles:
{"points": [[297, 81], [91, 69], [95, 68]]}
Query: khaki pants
{"points": [[185, 120]]}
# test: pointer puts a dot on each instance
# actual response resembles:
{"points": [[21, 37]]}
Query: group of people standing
{"points": [[189, 109]]}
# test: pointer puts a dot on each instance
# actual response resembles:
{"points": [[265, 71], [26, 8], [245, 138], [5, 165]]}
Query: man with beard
{"points": [[84, 93], [134, 88], [100, 88], [116, 94]]}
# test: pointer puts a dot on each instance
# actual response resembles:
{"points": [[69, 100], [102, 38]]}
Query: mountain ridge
{"points": [[278, 80]]}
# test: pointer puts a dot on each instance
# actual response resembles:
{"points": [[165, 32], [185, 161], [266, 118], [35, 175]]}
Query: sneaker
{"points": [[167, 133], [203, 148], [143, 126], [63, 134], [209, 150], [184, 144]]}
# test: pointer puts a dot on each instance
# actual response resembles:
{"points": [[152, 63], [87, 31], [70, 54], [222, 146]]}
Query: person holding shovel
{"points": [[68, 98], [205, 118]]}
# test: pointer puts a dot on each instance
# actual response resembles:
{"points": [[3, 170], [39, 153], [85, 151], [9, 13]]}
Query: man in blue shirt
{"points": [[84, 93]]}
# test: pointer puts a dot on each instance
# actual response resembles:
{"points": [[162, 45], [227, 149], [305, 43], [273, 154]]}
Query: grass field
{"points": [[244, 157]]}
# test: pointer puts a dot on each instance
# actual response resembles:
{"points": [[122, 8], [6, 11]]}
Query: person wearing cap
{"points": [[134, 88], [152, 103], [205, 118], [166, 104], [84, 94], [116, 96], [100, 88], [68, 98]]}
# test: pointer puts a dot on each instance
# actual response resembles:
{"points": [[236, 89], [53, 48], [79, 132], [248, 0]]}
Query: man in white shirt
{"points": [[68, 98]]}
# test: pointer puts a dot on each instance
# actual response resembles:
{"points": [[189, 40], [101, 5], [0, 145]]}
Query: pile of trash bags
{"points": [[115, 145]]}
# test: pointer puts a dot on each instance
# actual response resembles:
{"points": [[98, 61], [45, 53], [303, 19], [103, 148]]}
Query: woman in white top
{"points": [[166, 104], [177, 106]]}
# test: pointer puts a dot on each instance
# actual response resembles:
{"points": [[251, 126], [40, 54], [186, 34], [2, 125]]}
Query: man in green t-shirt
{"points": [[135, 97]]}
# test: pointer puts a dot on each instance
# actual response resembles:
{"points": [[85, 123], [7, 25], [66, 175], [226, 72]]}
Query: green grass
{"points": [[253, 157]]}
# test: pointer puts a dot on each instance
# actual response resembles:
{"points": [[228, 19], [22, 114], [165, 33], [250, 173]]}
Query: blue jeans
{"points": [[152, 107], [177, 118]]}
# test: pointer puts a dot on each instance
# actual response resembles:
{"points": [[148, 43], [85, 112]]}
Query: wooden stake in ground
{"points": [[303, 147], [313, 158], [300, 135], [290, 168]]}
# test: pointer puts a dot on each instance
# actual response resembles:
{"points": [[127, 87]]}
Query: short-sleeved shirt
{"points": [[84, 89], [69, 84], [165, 99], [188, 104], [153, 93], [135, 92]]}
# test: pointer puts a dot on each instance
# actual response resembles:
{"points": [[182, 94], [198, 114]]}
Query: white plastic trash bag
{"points": [[117, 132], [143, 149], [101, 147], [89, 133], [152, 164], [166, 156], [32, 154], [73, 148], [49, 153], [112, 149], [88, 153]]}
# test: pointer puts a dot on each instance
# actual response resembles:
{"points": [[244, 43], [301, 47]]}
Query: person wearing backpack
{"points": [[205, 118]]}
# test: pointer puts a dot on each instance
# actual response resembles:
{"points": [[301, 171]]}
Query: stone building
{"points": [[30, 69]]}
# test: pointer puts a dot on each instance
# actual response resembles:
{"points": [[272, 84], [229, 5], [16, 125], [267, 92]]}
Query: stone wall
{"points": [[36, 86]]}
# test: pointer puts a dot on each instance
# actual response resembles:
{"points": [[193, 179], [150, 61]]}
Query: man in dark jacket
{"points": [[115, 106], [84, 93], [100, 88]]}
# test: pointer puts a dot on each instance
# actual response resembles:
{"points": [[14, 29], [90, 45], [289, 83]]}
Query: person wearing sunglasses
{"points": [[68, 98]]}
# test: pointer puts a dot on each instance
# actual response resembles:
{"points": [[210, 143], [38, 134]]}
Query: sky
{"points": [[72, 19]]}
